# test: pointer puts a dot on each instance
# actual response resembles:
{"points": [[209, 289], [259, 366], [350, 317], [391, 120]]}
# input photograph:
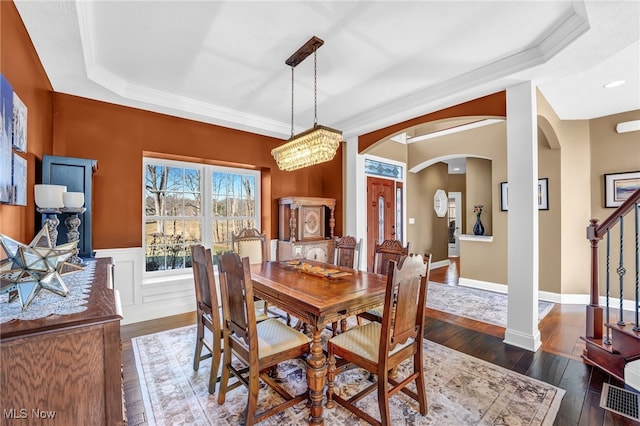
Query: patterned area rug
{"points": [[480, 305], [461, 390]]}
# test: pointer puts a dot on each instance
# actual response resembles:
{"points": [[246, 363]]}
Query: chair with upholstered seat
{"points": [[252, 244], [386, 251], [347, 252], [208, 312], [375, 314], [259, 346], [389, 250], [249, 242], [381, 347]]}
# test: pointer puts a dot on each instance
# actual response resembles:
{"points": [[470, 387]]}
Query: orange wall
{"points": [[490, 105], [21, 66], [118, 136]]}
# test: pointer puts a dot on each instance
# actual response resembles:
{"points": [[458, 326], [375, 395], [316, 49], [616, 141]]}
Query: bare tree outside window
{"points": [[234, 206], [175, 217]]}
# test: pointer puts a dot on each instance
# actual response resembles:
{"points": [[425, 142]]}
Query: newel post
{"points": [[594, 310]]}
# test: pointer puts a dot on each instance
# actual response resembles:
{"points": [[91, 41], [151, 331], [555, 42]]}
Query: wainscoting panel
{"points": [[144, 300]]}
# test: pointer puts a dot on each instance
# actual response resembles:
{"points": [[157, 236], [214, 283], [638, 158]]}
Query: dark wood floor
{"points": [[557, 362]]}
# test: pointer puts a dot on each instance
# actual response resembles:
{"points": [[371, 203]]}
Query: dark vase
{"points": [[478, 228]]}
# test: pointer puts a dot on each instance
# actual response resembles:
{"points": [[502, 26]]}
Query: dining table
{"points": [[318, 294]]}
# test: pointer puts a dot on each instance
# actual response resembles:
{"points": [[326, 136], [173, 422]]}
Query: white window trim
{"points": [[156, 277]]}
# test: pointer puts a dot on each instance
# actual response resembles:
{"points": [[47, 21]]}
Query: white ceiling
{"points": [[382, 62]]}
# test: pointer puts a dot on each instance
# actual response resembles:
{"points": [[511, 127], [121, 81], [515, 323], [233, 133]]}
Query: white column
{"points": [[522, 262], [349, 185]]}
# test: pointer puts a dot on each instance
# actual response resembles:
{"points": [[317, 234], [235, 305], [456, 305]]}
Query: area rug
{"points": [[479, 305], [461, 390]]}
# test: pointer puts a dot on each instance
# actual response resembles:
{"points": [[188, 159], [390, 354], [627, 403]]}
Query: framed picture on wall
{"points": [[543, 195], [19, 177], [19, 124], [619, 186], [6, 122]]}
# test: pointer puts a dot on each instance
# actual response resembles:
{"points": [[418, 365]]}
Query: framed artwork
{"points": [[19, 188], [619, 186], [543, 195], [6, 121], [19, 124]]}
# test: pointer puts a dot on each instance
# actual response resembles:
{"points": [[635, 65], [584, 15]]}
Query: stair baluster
{"points": [[621, 271], [607, 337], [636, 327], [610, 346]]}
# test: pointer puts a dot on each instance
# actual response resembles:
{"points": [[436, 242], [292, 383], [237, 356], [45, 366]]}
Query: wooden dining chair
{"points": [[347, 252], [375, 314], [249, 242], [386, 251], [259, 346], [381, 347], [207, 312]]}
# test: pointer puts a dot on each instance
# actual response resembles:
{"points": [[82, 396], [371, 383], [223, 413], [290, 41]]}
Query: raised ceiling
{"points": [[382, 62]]}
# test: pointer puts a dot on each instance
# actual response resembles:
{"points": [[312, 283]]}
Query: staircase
{"points": [[612, 344]]}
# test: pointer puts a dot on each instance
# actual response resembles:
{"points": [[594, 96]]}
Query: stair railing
{"points": [[595, 232]]}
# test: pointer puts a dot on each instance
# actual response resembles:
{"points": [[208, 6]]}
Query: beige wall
{"points": [[573, 155], [429, 233], [569, 202], [612, 152], [479, 192], [549, 221], [483, 261], [391, 150]]}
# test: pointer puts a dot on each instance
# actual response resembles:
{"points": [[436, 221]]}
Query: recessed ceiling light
{"points": [[455, 169], [615, 83]]}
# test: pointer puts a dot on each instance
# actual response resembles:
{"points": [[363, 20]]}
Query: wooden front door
{"points": [[381, 220]]}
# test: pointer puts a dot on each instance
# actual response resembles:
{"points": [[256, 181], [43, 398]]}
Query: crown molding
{"points": [[478, 82]]}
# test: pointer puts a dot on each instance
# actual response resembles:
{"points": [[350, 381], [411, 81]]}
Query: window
{"points": [[189, 203]]}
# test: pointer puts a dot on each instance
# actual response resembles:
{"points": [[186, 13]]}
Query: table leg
{"points": [[316, 376]]}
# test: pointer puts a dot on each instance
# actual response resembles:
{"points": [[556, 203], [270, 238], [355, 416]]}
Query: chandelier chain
{"points": [[315, 87], [292, 132]]}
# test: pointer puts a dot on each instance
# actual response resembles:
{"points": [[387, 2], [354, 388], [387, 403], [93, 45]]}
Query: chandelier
{"points": [[317, 144]]}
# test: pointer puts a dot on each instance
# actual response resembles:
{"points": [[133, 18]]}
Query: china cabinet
{"points": [[306, 228]]}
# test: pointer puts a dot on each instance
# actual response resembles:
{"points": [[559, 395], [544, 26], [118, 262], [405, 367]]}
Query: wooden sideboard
{"points": [[68, 366]]}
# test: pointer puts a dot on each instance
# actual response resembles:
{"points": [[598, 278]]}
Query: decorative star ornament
{"points": [[28, 269]]}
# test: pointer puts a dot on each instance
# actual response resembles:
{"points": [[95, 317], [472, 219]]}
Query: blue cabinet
{"points": [[77, 175]]}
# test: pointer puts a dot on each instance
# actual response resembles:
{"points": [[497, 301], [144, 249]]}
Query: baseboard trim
{"points": [[523, 340], [569, 299], [439, 264], [483, 285]]}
